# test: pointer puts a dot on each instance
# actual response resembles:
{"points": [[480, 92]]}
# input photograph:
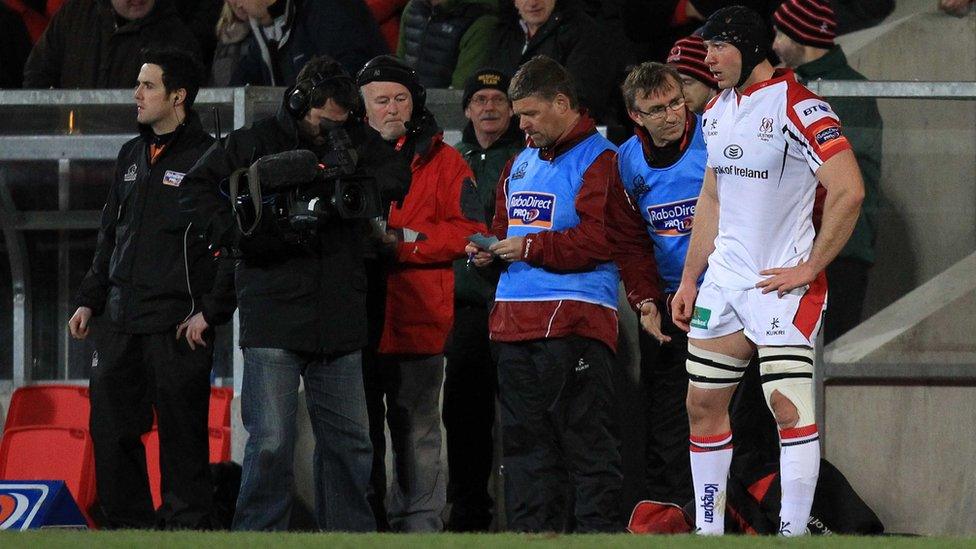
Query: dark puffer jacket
{"points": [[448, 42]]}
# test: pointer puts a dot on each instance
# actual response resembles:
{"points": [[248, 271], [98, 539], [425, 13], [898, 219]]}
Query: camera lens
{"points": [[353, 199]]}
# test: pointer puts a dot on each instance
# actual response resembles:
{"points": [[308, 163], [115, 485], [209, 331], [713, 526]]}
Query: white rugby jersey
{"points": [[765, 146]]}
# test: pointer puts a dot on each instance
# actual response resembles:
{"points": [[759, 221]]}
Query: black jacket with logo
{"points": [[303, 298], [151, 270]]}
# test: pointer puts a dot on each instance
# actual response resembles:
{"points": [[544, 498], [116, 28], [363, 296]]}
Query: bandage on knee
{"points": [[789, 370], [708, 370]]}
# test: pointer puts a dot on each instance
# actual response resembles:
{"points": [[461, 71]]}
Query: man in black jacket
{"points": [[302, 308], [151, 271], [562, 31], [96, 43]]}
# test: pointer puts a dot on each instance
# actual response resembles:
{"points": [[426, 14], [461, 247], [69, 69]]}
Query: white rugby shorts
{"points": [[766, 319]]}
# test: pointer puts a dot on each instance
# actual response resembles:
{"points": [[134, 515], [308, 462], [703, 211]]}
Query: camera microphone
{"points": [[285, 169]]}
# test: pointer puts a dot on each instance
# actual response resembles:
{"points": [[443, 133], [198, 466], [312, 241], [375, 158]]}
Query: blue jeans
{"points": [[343, 453]]}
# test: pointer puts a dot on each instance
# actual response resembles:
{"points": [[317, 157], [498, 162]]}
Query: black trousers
{"points": [[847, 284], [664, 380], [131, 374], [469, 415], [558, 435]]}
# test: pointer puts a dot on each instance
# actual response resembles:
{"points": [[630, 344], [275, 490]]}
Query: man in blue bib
{"points": [[662, 167], [559, 206]]}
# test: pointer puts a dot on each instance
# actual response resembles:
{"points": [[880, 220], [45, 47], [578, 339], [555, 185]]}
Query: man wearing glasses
{"points": [[662, 167]]}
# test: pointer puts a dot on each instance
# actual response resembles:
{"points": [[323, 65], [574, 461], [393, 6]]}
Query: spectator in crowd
{"points": [[96, 43], [490, 138], [233, 30], [15, 46], [555, 318], [764, 291], [445, 41], [697, 83], [302, 306], [35, 14], [200, 17], [608, 15], [387, 13], [853, 15], [560, 30], [151, 272], [805, 43], [426, 231], [287, 33], [958, 8], [654, 25]]}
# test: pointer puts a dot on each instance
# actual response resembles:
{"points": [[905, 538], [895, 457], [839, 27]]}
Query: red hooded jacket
{"points": [[420, 287]]}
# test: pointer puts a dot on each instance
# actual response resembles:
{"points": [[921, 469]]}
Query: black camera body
{"points": [[308, 207], [295, 193]]}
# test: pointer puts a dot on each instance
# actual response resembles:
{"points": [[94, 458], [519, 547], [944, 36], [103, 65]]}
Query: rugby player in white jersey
{"points": [[770, 142]]}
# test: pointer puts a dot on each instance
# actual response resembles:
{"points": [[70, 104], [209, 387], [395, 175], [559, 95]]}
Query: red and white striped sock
{"points": [[711, 456], [799, 463]]}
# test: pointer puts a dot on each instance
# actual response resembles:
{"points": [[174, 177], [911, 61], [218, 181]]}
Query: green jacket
{"points": [[477, 286], [862, 125], [427, 25]]}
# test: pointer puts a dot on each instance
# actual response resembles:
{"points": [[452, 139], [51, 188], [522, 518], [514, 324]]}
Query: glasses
{"points": [[496, 100], [659, 112]]}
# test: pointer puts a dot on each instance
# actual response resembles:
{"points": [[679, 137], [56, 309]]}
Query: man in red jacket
{"points": [[426, 232]]}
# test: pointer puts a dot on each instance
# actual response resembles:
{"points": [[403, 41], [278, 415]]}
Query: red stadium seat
{"points": [[151, 441], [219, 451], [49, 405], [220, 398], [51, 453], [219, 444]]}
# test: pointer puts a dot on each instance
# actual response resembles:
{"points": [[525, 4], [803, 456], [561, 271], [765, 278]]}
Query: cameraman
{"points": [[302, 310]]}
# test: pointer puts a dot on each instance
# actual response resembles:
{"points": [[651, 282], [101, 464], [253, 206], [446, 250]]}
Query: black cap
{"points": [[484, 78], [386, 68], [743, 28]]}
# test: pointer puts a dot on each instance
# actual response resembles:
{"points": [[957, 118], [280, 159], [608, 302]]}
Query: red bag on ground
{"points": [[655, 517]]}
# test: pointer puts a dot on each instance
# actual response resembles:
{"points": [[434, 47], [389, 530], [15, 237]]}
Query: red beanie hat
{"points": [[809, 22], [688, 57]]}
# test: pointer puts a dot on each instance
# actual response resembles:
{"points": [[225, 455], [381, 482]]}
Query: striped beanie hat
{"points": [[809, 22], [688, 57]]}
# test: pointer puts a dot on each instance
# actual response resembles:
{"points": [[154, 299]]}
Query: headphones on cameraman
{"points": [[299, 98]]}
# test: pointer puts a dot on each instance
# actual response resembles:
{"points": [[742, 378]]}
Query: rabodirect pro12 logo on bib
{"points": [[673, 218], [531, 209]]}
